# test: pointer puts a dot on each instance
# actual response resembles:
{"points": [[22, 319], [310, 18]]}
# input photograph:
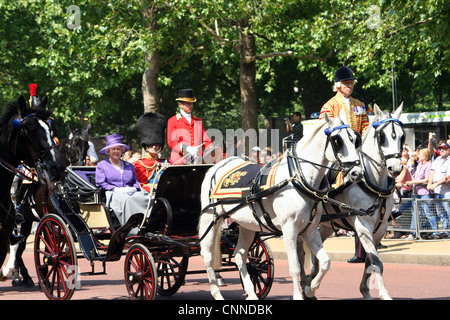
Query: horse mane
{"points": [[308, 138], [11, 111]]}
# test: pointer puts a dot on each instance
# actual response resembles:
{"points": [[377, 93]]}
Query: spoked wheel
{"points": [[260, 266], [171, 274], [140, 273], [55, 258]]}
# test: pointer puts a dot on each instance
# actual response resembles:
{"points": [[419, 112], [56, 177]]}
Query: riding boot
{"points": [[360, 253], [16, 238]]}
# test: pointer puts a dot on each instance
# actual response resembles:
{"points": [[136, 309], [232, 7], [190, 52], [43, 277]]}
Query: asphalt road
{"points": [[403, 281]]}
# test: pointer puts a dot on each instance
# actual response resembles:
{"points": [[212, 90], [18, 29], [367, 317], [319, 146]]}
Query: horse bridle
{"points": [[23, 131], [335, 140], [18, 124], [379, 126], [68, 148]]}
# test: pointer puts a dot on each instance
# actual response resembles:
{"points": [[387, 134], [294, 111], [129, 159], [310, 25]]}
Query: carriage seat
{"points": [[80, 181]]}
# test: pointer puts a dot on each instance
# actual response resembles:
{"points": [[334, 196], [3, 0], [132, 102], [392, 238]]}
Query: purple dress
{"points": [[108, 177], [122, 204]]}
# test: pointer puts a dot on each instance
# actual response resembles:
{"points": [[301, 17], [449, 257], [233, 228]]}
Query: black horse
{"points": [[25, 136], [33, 200], [77, 146]]}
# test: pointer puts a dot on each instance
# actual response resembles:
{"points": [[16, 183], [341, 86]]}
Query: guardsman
{"points": [[186, 134], [151, 127]]}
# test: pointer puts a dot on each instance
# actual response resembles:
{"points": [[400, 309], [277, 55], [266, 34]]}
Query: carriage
{"points": [[157, 244]]}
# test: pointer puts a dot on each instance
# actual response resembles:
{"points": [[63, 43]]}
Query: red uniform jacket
{"points": [[181, 133], [145, 170]]}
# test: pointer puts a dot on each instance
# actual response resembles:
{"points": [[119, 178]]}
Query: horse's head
{"points": [[341, 147], [389, 139], [31, 141], [77, 146]]}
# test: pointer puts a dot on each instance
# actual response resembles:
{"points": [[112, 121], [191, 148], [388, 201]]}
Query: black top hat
{"points": [[186, 95], [151, 127], [343, 73]]}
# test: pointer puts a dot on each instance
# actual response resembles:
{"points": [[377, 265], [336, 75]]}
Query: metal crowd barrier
{"points": [[419, 224]]}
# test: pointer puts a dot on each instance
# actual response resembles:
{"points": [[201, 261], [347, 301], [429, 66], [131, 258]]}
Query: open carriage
{"points": [[157, 249]]}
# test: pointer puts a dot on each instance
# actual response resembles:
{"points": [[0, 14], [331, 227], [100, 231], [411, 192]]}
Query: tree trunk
{"points": [[150, 82], [247, 82], [150, 77]]}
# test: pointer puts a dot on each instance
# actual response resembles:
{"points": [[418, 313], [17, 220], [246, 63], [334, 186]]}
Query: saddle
{"points": [[244, 179]]}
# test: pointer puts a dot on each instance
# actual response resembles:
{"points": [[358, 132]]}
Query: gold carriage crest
{"points": [[234, 178]]}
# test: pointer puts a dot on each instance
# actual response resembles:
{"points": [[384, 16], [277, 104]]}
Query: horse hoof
{"points": [[17, 283], [305, 297], [220, 281], [29, 283]]}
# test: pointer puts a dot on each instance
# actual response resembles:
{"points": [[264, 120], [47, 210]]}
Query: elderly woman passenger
{"points": [[119, 180]]}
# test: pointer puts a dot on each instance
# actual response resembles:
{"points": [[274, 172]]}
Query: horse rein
{"points": [[379, 126], [18, 124], [343, 166]]}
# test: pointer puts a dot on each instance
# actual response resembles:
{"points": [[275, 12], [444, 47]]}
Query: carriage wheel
{"points": [[171, 274], [140, 273], [260, 266], [55, 258]]}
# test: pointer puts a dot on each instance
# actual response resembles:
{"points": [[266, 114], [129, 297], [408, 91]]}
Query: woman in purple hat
{"points": [[119, 180]]}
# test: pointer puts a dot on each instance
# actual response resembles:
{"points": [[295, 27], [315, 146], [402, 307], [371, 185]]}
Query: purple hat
{"points": [[114, 140]]}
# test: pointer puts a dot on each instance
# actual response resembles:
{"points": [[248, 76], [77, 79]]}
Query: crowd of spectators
{"points": [[426, 175]]}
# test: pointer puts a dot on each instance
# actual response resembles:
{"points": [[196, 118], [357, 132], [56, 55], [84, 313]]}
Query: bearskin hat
{"points": [[151, 128]]}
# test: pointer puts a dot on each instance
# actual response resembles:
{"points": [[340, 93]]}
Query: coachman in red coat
{"points": [[185, 132]]}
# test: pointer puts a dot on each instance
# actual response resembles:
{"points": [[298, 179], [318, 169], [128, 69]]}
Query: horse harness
{"points": [[300, 184], [366, 184]]}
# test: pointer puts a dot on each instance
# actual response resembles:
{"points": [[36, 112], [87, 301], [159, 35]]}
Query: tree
{"points": [[262, 58], [246, 27]]}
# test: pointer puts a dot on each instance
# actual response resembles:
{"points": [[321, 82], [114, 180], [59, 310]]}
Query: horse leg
{"points": [[373, 264], [208, 250], [290, 242], [26, 230], [305, 280], [10, 265], [240, 254], [325, 232], [314, 243]]}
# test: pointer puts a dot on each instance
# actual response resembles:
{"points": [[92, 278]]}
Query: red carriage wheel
{"points": [[140, 273], [260, 266], [55, 258], [171, 274]]}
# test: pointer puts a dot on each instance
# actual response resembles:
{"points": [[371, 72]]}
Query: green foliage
{"points": [[95, 70]]}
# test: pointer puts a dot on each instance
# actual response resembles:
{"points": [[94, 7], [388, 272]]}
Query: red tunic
{"points": [[145, 170], [181, 133]]}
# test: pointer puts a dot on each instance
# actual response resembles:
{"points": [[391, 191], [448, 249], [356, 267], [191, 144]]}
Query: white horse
{"points": [[292, 211], [381, 160]]}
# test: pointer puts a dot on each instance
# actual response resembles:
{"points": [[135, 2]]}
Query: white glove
{"points": [[127, 190], [121, 189], [131, 191], [192, 150]]}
